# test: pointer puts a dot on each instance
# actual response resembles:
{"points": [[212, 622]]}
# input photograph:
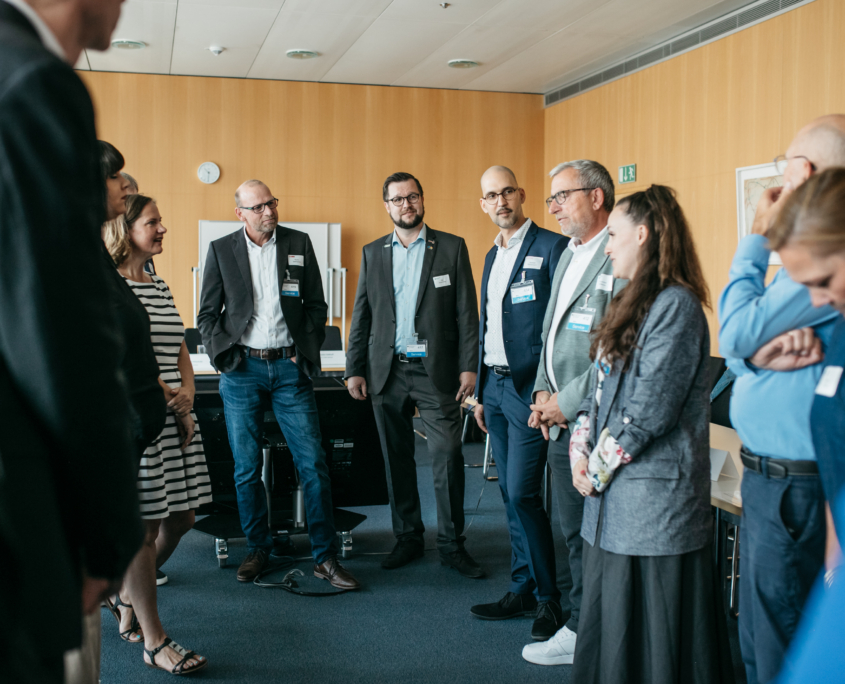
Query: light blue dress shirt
{"points": [[769, 410], [407, 268]]}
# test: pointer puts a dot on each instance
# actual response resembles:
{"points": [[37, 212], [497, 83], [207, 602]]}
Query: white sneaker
{"points": [[559, 650]]}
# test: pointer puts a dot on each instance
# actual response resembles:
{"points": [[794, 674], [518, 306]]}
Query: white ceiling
{"points": [[527, 46]]}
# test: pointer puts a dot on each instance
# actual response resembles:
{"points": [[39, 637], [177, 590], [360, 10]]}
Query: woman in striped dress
{"points": [[173, 478]]}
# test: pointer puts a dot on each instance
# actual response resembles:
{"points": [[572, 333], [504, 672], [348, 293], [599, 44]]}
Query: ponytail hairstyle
{"points": [[116, 231], [667, 258], [813, 215]]}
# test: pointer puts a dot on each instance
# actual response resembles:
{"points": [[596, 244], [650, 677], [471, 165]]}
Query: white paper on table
{"points": [[335, 358], [717, 462], [202, 363]]}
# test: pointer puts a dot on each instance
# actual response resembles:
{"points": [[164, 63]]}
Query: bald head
{"points": [[822, 141], [505, 212], [245, 187], [260, 224], [499, 171]]}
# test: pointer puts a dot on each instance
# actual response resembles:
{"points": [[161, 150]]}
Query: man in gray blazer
{"points": [[581, 201], [414, 342]]}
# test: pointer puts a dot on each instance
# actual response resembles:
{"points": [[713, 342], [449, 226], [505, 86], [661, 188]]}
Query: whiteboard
{"points": [[325, 237]]}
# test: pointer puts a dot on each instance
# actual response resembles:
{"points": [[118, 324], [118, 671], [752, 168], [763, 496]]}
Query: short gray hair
{"points": [[592, 175], [133, 184]]}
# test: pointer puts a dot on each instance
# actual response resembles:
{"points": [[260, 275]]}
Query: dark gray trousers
{"points": [[570, 506], [409, 386]]}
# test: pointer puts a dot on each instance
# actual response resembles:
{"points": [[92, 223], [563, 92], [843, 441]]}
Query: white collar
{"points": [[250, 243], [518, 236], [421, 236], [48, 38], [574, 245]]}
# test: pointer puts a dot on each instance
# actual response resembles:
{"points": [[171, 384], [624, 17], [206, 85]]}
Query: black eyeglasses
{"points": [[560, 197], [782, 160], [259, 208], [413, 198], [493, 197]]}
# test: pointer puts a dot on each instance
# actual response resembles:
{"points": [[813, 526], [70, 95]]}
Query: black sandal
{"points": [[134, 628], [178, 668]]}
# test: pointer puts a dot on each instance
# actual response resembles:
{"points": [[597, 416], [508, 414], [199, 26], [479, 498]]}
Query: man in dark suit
{"points": [[515, 290], [413, 342], [67, 460], [262, 318]]}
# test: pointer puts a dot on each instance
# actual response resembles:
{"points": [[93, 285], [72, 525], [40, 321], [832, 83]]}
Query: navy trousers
{"points": [[782, 543], [520, 453]]}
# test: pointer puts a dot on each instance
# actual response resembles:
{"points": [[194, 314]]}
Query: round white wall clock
{"points": [[208, 172]]}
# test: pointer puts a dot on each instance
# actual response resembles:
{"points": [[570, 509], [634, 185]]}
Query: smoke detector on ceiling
{"points": [[216, 50], [302, 54], [462, 63], [128, 44]]}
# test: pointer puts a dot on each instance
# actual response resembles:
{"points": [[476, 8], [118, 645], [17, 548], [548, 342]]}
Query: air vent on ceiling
{"points": [[739, 19]]}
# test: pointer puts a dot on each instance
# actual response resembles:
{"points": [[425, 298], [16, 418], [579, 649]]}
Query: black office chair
{"points": [[333, 341], [192, 339]]}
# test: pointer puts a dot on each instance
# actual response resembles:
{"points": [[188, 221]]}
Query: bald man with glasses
{"points": [[262, 317]]}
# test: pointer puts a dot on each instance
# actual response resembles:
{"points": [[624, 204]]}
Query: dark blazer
{"points": [[447, 317], [522, 324], [67, 460], [659, 413], [226, 303]]}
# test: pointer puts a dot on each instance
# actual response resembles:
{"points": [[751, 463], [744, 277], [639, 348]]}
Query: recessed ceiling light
{"points": [[128, 44], [302, 54], [462, 64]]}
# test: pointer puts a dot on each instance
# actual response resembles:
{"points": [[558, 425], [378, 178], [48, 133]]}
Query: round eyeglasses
{"points": [[413, 198], [560, 196], [493, 197]]}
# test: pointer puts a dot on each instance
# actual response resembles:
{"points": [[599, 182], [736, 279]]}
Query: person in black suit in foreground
{"points": [[67, 458]]}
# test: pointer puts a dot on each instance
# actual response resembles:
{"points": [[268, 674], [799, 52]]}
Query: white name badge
{"points": [[290, 288], [605, 282], [581, 319], [416, 349], [523, 292], [296, 260], [829, 381], [442, 281], [533, 262]]}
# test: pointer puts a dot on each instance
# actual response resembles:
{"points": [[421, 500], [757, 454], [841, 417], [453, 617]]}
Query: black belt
{"points": [[777, 467], [502, 371], [408, 359], [271, 354]]}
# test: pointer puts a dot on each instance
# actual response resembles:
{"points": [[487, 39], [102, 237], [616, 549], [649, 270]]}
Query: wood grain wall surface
{"points": [[691, 121], [323, 149]]}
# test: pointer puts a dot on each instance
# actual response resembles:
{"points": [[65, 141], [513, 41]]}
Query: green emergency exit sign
{"points": [[628, 173]]}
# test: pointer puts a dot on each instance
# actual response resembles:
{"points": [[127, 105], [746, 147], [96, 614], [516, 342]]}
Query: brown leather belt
{"points": [[777, 468], [271, 354]]}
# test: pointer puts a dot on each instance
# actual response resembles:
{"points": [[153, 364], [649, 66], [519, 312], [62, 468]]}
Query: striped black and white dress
{"points": [[169, 479]]}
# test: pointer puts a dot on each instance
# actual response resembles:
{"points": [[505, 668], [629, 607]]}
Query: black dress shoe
{"points": [[462, 562], [511, 606], [549, 620], [253, 564], [403, 553]]}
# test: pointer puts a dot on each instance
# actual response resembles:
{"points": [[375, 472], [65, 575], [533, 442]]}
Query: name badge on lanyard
{"points": [[416, 348], [290, 287], [523, 291], [582, 317]]}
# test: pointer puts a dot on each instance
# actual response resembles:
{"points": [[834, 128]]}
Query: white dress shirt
{"points": [[497, 287], [44, 33], [582, 255], [267, 328]]}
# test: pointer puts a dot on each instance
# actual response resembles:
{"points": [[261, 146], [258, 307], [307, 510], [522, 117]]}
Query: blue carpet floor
{"points": [[408, 625]]}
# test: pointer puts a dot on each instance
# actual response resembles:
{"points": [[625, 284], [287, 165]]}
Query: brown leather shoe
{"points": [[336, 574], [253, 564]]}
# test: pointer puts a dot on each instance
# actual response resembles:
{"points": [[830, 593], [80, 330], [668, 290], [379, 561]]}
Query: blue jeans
{"points": [[520, 453], [245, 393], [782, 542]]}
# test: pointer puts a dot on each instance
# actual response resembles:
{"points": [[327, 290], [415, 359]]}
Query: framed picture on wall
{"points": [[751, 181]]}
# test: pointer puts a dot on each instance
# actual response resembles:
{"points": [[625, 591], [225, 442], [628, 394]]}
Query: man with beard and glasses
{"points": [[413, 342], [515, 290]]}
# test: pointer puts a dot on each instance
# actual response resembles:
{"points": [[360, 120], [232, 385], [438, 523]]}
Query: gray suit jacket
{"points": [[571, 353], [659, 413], [447, 317]]}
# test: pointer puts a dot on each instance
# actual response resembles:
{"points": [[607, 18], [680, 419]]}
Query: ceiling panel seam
{"points": [[263, 42], [173, 39]]}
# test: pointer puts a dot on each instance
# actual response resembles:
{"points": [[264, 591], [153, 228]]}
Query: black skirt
{"points": [[655, 619]]}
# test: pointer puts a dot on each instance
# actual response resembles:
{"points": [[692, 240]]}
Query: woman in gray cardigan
{"points": [[640, 454]]}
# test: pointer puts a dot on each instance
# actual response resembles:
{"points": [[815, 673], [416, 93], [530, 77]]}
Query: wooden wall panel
{"points": [[324, 150], [691, 121]]}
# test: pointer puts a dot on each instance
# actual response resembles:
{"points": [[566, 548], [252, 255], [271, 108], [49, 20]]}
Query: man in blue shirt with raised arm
{"points": [[783, 517]]}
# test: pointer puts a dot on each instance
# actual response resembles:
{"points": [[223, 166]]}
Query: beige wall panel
{"points": [[324, 150], [691, 121]]}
